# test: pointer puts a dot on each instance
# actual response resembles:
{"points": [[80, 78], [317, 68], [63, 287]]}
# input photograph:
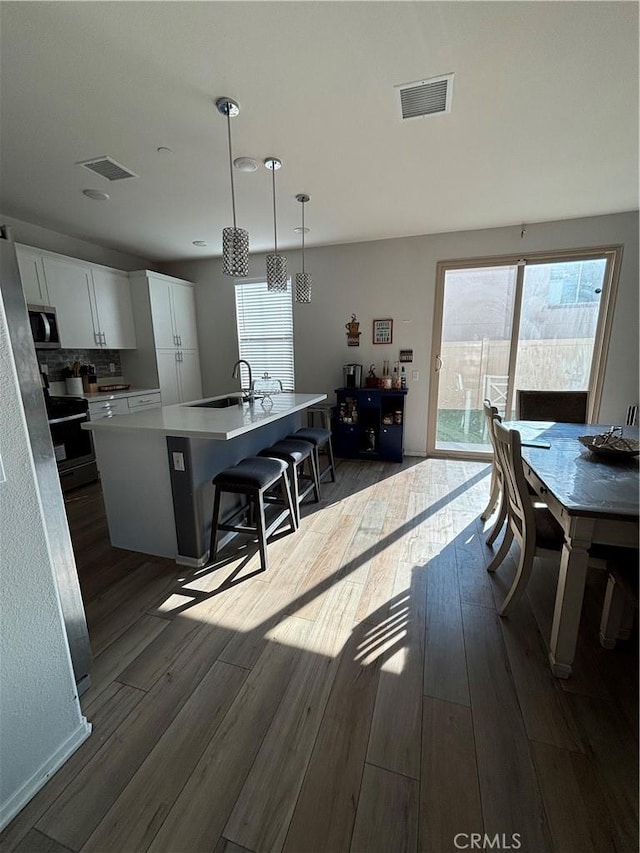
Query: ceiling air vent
{"points": [[426, 97], [108, 168]]}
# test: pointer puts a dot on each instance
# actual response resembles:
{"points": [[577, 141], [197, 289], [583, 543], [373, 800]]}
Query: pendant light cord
{"points": [[233, 195], [275, 227], [303, 238]]}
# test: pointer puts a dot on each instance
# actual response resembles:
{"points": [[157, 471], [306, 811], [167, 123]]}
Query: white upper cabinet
{"points": [[162, 313], [69, 284], [93, 303], [184, 315], [34, 283], [112, 295]]}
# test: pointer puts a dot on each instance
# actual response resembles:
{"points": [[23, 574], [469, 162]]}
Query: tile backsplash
{"points": [[57, 360]]}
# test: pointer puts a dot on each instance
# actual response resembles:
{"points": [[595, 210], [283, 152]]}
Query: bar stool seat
{"points": [[295, 452], [321, 439], [253, 477]]}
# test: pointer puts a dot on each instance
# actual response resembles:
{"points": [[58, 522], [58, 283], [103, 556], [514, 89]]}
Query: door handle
{"points": [[439, 364]]}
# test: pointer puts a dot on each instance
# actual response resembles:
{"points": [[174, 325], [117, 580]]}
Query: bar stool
{"points": [[253, 477], [321, 440], [295, 453]]}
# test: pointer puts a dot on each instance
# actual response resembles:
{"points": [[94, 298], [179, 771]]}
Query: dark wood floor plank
{"points": [[325, 812], [261, 816], [387, 816], [36, 842], [445, 663], [199, 814], [136, 816], [106, 713], [578, 815], [449, 792], [395, 737], [511, 800], [75, 815]]}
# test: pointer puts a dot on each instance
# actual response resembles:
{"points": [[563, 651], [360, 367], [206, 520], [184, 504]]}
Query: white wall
{"points": [[396, 279], [53, 241], [40, 719]]}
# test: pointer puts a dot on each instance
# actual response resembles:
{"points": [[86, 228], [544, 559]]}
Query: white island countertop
{"points": [[191, 421]]}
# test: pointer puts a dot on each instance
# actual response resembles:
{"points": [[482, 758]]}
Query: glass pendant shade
{"points": [[235, 241], [276, 264], [276, 272], [235, 251], [303, 279], [303, 287]]}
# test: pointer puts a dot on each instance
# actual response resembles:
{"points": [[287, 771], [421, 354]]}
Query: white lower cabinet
{"points": [[144, 401], [108, 408], [179, 375]]}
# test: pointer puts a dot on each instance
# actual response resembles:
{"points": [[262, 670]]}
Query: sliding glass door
{"points": [[537, 324]]}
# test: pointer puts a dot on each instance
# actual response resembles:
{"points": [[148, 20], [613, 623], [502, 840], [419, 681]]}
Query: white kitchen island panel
{"points": [[157, 466]]}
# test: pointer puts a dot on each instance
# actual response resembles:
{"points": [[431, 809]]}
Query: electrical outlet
{"points": [[112, 367], [415, 376], [178, 461], [44, 369]]}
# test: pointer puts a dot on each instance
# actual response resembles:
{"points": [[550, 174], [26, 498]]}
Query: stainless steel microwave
{"points": [[44, 326]]}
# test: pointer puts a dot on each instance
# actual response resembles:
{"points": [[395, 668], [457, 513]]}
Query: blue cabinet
{"points": [[369, 424]]}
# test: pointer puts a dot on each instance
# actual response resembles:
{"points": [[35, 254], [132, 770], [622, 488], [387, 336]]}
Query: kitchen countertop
{"points": [[113, 395], [221, 424]]}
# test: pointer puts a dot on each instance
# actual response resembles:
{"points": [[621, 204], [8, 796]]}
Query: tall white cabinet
{"points": [[167, 353]]}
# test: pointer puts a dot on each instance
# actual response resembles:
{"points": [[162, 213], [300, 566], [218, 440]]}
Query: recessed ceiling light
{"points": [[245, 164], [96, 195], [300, 230], [200, 243]]}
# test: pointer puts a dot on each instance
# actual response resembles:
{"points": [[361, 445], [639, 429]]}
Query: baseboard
{"points": [[420, 453], [30, 788]]}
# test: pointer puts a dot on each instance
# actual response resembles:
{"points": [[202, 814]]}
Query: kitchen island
{"points": [[156, 466]]}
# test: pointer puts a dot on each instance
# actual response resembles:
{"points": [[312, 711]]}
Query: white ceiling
{"points": [[544, 122]]}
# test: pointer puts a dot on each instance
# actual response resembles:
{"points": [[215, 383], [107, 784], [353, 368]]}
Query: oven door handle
{"points": [[82, 416]]}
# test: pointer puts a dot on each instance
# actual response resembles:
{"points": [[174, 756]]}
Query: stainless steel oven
{"points": [[72, 445]]}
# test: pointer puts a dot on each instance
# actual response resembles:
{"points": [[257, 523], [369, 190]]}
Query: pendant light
{"points": [[276, 264], [235, 241], [303, 279]]}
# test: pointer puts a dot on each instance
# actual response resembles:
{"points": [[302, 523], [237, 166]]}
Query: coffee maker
{"points": [[352, 375]]}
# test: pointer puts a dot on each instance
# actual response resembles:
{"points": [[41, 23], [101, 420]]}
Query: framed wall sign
{"points": [[382, 331]]}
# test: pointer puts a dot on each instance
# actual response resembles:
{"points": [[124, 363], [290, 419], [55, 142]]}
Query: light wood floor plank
{"points": [[511, 800], [445, 663], [261, 816], [136, 816], [325, 812], [449, 793], [226, 846], [199, 814], [578, 816], [106, 713], [473, 580], [387, 816], [395, 738], [378, 588]]}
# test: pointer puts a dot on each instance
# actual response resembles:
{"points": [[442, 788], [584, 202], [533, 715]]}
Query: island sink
{"points": [[222, 403]]}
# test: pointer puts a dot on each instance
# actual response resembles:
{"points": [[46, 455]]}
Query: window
{"points": [[576, 281], [265, 332]]}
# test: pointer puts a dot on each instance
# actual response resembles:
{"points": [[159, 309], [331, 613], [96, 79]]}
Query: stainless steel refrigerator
{"points": [[54, 515]]}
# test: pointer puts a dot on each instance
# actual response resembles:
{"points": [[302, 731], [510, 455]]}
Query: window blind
{"points": [[265, 332]]}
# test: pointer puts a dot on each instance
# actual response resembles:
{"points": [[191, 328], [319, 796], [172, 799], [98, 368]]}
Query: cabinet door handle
{"points": [[96, 338], [104, 338], [179, 340], [439, 363]]}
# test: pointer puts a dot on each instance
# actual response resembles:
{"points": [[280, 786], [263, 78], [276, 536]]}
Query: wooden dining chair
{"points": [[496, 490], [569, 407], [528, 521], [621, 597]]}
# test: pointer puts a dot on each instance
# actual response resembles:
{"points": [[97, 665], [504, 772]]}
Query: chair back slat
{"points": [[509, 451]]}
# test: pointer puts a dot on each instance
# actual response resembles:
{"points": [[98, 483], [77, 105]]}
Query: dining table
{"points": [[593, 497]]}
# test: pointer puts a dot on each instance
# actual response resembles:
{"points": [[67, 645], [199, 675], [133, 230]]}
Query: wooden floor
{"points": [[362, 695]]}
